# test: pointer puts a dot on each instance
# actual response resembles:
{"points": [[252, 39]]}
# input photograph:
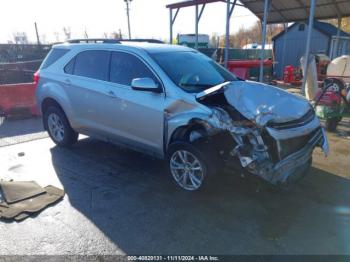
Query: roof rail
{"points": [[113, 41], [94, 40], [152, 41]]}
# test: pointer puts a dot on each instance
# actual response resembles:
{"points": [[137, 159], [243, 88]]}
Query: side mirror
{"points": [[145, 84]]}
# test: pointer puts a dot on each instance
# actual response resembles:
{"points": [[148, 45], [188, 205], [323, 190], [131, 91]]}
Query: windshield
{"points": [[192, 71]]}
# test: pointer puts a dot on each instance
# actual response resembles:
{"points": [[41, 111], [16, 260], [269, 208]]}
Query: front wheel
{"points": [[188, 165]]}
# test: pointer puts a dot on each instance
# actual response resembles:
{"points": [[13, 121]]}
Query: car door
{"points": [[87, 90], [138, 116]]}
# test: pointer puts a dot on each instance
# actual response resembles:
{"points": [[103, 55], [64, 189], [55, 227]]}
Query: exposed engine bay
{"points": [[275, 147]]}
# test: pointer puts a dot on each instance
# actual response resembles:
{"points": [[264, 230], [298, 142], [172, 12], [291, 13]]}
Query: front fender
{"points": [[183, 119]]}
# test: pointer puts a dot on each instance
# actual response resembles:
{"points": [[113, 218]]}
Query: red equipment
{"points": [[329, 98], [292, 75], [241, 67]]}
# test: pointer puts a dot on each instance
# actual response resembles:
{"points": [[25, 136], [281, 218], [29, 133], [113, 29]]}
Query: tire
{"points": [[58, 127], [2, 115], [331, 124], [194, 174]]}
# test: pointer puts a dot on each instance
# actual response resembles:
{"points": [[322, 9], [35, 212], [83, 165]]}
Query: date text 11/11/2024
{"points": [[173, 258]]}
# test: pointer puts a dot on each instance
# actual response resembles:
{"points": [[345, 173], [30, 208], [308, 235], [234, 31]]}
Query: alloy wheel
{"points": [[186, 169], [56, 127]]}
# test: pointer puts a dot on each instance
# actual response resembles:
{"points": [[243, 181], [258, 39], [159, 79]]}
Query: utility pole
{"points": [[37, 33], [263, 40], [128, 15]]}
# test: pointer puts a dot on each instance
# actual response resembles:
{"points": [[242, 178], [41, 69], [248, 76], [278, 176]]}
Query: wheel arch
{"points": [[182, 133], [48, 102]]}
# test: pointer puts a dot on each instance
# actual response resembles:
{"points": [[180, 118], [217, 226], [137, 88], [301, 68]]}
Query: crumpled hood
{"points": [[262, 103]]}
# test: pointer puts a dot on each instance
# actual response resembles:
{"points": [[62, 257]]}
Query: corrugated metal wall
{"points": [[340, 48], [295, 47]]}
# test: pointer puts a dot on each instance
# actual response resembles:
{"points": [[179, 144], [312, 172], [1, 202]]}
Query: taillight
{"points": [[36, 78]]}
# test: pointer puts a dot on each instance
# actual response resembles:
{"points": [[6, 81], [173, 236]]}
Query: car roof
{"points": [[148, 47], [157, 48]]}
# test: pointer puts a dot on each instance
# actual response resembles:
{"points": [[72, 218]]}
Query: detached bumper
{"points": [[297, 163]]}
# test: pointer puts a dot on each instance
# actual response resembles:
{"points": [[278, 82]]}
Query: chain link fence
{"points": [[15, 131], [17, 65]]}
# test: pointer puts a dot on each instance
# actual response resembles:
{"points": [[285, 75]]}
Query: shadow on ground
{"points": [[13, 131], [17, 127], [343, 128], [134, 202]]}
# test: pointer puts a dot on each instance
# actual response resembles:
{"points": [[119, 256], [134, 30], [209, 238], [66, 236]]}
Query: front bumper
{"points": [[294, 164]]}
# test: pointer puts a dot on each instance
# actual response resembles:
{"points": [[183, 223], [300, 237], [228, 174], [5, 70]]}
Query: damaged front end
{"points": [[274, 132]]}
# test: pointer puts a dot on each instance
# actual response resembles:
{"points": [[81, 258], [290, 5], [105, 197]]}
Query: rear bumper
{"points": [[295, 163]]}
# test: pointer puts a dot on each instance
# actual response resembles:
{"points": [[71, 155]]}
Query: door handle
{"points": [[67, 81]]}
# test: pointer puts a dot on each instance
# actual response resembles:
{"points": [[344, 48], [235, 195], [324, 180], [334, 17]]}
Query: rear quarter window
{"points": [[69, 68], [53, 56]]}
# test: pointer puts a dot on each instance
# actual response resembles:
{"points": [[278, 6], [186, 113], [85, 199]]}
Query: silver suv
{"points": [[177, 104]]}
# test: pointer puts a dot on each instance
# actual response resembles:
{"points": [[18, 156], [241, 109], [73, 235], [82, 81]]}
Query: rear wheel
{"points": [[2, 116], [58, 127]]}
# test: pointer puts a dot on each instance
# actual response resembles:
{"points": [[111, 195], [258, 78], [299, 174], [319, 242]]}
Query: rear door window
{"points": [[92, 64], [126, 67], [53, 56]]}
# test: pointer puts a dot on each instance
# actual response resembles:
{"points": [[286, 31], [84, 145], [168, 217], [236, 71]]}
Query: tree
{"points": [[251, 35], [20, 38], [67, 32], [214, 40], [273, 30], [117, 35], [345, 23]]}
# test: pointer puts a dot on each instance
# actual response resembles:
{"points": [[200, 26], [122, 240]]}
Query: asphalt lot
{"points": [[19, 131], [121, 202]]}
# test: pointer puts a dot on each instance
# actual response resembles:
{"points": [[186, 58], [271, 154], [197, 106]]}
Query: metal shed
{"points": [[289, 45]]}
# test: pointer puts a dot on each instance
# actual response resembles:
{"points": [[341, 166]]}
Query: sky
{"points": [[149, 19]]}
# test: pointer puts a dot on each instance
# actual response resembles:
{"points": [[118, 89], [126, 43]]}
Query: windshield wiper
{"points": [[197, 85], [212, 90]]}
